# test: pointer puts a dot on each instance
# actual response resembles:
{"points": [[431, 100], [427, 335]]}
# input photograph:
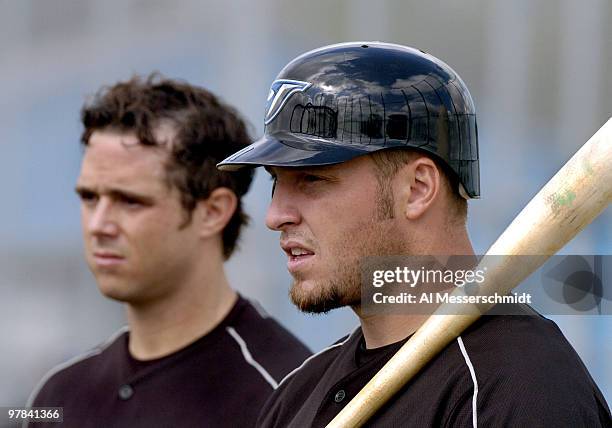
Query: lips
{"points": [[299, 255], [107, 259], [298, 252]]}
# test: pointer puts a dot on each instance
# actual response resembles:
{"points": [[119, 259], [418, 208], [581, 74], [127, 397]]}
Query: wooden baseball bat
{"points": [[577, 194]]}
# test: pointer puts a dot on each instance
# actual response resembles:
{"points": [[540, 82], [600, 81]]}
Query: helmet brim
{"points": [[289, 150]]}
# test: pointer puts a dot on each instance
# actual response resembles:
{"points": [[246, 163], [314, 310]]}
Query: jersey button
{"points": [[126, 392], [340, 395]]}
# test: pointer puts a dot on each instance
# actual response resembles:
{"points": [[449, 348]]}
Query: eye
{"points": [[87, 197], [310, 178], [129, 201]]}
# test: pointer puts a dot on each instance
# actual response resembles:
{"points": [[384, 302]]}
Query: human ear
{"points": [[213, 213], [424, 180]]}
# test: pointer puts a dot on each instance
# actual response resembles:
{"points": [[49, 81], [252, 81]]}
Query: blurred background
{"points": [[539, 73]]}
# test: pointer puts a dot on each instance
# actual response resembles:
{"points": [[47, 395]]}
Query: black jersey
{"points": [[221, 379], [504, 371]]}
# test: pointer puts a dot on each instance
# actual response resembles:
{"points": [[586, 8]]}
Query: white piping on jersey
{"points": [[473, 374], [316, 355], [95, 351], [249, 358]]}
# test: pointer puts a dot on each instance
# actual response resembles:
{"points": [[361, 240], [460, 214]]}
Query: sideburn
{"points": [[187, 217], [384, 200]]}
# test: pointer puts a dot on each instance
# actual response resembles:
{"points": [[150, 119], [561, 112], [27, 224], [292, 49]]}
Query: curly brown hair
{"points": [[207, 131]]}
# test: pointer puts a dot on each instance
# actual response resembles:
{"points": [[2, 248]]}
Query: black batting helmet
{"points": [[337, 102]]}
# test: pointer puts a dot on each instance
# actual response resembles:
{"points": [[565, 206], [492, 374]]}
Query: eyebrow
{"points": [[115, 194]]}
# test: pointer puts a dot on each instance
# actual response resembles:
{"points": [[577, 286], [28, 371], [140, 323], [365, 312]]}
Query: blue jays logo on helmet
{"points": [[280, 91]]}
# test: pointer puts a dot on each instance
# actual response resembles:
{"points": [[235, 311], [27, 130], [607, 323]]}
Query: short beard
{"points": [[343, 287], [342, 290]]}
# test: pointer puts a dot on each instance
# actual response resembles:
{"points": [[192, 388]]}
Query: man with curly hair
{"points": [[159, 220]]}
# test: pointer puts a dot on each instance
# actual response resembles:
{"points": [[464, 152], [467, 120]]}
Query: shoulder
{"points": [[521, 343], [61, 379], [264, 342], [524, 362], [255, 322], [300, 382]]}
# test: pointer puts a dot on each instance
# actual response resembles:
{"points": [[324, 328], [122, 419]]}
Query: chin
{"points": [[317, 298], [115, 290], [114, 294]]}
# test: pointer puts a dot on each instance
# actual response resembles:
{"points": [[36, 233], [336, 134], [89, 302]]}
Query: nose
{"points": [[282, 211], [99, 219]]}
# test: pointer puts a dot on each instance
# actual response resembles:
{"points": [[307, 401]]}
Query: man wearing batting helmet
{"points": [[158, 222], [373, 149]]}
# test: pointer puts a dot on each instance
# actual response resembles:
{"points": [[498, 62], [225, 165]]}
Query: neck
{"points": [[166, 325], [380, 330]]}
